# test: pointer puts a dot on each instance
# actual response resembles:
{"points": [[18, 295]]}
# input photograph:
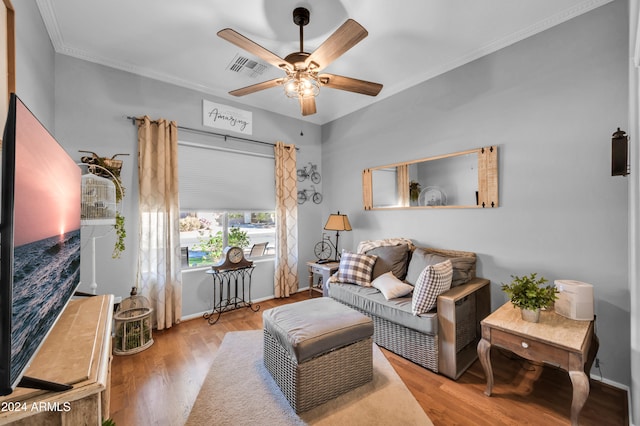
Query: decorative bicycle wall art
{"points": [[309, 194], [309, 172]]}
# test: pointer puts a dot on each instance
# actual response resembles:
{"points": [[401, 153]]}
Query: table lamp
{"points": [[337, 222]]}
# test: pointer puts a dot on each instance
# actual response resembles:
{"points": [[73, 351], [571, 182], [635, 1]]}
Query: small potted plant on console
{"points": [[530, 295]]}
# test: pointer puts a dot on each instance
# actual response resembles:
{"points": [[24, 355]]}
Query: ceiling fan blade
{"points": [[350, 84], [308, 105], [344, 38], [257, 87], [254, 48]]}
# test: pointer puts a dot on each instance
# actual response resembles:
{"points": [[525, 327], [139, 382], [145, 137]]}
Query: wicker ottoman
{"points": [[316, 350]]}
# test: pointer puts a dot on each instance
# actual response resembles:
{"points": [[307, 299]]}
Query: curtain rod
{"points": [[207, 132]]}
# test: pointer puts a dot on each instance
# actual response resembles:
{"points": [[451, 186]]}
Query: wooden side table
{"points": [[555, 340], [323, 269]]}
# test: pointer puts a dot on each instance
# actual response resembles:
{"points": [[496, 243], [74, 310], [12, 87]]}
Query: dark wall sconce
{"points": [[619, 153]]}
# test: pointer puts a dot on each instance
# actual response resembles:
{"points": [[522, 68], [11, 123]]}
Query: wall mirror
{"points": [[466, 179]]}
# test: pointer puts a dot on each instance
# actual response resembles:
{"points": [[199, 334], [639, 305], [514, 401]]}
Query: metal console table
{"points": [[237, 283]]}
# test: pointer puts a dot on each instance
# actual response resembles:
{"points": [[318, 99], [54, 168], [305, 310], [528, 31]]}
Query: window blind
{"points": [[217, 179]]}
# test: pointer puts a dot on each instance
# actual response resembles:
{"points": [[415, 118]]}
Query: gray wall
{"points": [[550, 103], [90, 102], [34, 63]]}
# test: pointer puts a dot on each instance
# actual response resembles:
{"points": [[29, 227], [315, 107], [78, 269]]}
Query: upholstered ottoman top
{"points": [[313, 327]]}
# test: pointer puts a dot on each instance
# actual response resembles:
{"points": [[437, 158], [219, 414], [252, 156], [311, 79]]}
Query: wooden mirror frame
{"points": [[487, 181]]}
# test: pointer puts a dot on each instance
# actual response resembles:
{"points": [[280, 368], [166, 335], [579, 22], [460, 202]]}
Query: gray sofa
{"points": [[444, 339]]}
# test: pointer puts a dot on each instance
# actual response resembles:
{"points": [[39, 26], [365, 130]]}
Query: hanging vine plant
{"points": [[121, 233]]}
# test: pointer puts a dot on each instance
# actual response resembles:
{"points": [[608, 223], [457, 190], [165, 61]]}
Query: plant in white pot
{"points": [[530, 295]]}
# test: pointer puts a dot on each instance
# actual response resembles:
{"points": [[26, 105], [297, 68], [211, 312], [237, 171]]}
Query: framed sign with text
{"points": [[225, 117]]}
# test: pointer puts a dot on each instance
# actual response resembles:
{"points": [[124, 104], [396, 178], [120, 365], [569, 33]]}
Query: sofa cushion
{"points": [[463, 266], [390, 286], [356, 268], [390, 258], [432, 282], [371, 301]]}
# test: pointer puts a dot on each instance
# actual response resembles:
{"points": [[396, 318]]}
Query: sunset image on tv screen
{"points": [[44, 205], [46, 236]]}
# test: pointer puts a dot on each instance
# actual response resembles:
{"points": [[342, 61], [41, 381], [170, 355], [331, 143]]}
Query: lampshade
{"points": [[338, 222]]}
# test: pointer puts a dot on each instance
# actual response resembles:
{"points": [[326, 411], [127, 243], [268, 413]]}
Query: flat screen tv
{"points": [[40, 242]]}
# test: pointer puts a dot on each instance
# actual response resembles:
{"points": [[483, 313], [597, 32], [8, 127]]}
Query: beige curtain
{"points": [[159, 277], [286, 275]]}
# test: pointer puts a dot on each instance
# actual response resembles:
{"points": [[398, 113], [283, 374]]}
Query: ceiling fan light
{"points": [[290, 87], [309, 88], [301, 84]]}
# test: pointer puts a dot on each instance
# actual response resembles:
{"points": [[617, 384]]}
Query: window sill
{"points": [[256, 260]]}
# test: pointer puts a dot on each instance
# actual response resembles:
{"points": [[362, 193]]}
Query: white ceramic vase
{"points": [[530, 315]]}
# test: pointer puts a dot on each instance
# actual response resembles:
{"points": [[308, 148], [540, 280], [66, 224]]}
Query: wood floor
{"points": [[159, 385]]}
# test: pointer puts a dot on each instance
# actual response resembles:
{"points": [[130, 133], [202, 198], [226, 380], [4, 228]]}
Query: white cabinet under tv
{"points": [[76, 352]]}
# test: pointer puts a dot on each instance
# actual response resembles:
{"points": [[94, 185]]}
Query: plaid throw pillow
{"points": [[356, 268], [433, 281]]}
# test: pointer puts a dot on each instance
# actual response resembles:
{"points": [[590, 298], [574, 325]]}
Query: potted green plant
{"points": [[530, 295], [414, 191]]}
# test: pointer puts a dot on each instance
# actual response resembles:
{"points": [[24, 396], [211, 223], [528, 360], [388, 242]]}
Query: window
{"points": [[204, 234], [227, 198]]}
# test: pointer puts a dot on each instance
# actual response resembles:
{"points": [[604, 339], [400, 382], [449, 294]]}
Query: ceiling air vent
{"points": [[249, 67]]}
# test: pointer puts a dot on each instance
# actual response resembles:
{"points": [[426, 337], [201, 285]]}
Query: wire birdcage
{"points": [[98, 200], [132, 325], [107, 168]]}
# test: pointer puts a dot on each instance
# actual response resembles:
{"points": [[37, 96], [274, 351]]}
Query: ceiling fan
{"points": [[303, 79]]}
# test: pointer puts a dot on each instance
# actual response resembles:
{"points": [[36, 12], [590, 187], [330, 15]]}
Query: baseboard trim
{"points": [[611, 383]]}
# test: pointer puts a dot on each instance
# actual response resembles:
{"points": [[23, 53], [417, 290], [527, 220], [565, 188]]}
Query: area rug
{"points": [[238, 390]]}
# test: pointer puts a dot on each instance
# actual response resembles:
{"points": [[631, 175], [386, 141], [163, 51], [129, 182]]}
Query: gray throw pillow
{"points": [[355, 268], [390, 258], [432, 282], [420, 259]]}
